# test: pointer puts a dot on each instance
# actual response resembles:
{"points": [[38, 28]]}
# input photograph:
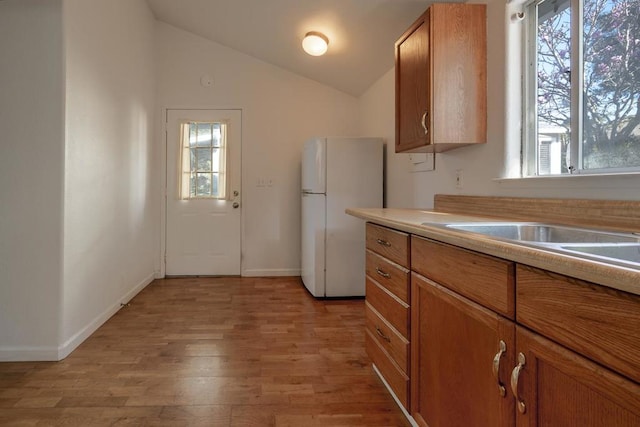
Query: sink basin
{"points": [[544, 233], [621, 249], [625, 252]]}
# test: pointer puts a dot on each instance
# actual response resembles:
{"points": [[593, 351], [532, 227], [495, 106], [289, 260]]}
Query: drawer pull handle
{"points": [[382, 273], [496, 367], [515, 375], [383, 336], [383, 242]]}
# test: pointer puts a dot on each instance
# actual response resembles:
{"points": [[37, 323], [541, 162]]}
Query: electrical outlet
{"points": [[458, 178]]}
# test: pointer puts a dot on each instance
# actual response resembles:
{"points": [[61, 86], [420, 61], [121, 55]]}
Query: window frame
{"points": [[529, 150]]}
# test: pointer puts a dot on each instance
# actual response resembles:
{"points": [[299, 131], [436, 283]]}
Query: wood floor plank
{"points": [[211, 352]]}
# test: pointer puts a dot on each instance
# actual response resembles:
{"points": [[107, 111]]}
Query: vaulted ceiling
{"points": [[361, 32]]}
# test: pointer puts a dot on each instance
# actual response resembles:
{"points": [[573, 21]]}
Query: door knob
{"points": [[235, 193], [236, 205]]}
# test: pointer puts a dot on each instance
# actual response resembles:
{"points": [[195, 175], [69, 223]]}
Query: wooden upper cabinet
{"points": [[413, 86], [441, 93]]}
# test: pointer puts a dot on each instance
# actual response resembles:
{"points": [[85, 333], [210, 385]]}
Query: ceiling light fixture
{"points": [[315, 43]]}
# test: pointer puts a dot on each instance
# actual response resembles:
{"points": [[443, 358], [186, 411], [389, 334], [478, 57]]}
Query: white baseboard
{"points": [[404, 410], [31, 354], [49, 354], [77, 339], [273, 272]]}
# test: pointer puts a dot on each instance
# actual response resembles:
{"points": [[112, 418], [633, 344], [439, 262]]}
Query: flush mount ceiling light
{"points": [[315, 43]]}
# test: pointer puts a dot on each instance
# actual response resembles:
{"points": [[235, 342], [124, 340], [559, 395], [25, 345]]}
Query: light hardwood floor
{"points": [[210, 352]]}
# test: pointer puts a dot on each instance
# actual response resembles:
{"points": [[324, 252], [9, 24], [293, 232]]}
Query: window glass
{"points": [[203, 161], [583, 105], [554, 86], [611, 131]]}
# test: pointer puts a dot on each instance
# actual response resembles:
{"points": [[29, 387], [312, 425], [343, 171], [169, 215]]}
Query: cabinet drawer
{"points": [[601, 323], [388, 338], [390, 307], [487, 280], [391, 276], [389, 243], [397, 380]]}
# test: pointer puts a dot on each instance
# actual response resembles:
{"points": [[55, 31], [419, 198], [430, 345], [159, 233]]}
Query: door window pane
{"points": [[203, 160], [204, 134]]}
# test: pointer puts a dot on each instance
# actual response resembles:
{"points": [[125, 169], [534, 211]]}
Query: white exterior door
{"points": [[203, 192]]}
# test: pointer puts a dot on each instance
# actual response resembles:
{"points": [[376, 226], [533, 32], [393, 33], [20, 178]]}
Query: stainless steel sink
{"points": [[621, 249], [544, 233], [623, 252]]}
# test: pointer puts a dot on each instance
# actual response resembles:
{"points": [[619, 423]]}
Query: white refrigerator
{"points": [[337, 173]]}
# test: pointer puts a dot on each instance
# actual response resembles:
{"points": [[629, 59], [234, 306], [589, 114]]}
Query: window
{"points": [[582, 90], [203, 160]]}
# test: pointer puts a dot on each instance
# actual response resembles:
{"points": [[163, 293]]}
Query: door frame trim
{"points": [[164, 114]]}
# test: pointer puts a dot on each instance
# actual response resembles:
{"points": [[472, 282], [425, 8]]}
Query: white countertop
{"points": [[425, 223]]}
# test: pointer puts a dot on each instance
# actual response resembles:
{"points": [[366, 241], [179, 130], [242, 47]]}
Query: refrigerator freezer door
{"points": [[313, 243], [314, 161]]}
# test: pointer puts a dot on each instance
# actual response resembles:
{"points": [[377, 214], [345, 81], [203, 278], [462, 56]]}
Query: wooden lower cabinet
{"points": [[454, 343], [492, 343], [558, 388], [397, 379], [600, 323], [387, 307]]}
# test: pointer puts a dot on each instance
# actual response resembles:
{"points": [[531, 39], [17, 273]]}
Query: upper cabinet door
{"points": [[413, 85], [441, 79]]}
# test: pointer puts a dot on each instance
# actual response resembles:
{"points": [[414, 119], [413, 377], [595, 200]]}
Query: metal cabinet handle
{"points": [[515, 375], [383, 242], [424, 122], [496, 367], [382, 273], [383, 336]]}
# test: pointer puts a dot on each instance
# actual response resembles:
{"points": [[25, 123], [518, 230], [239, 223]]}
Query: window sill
{"points": [[583, 175], [608, 180]]}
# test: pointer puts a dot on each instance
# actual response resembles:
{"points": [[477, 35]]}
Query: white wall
{"points": [[280, 110], [111, 222], [31, 177], [482, 164], [377, 117]]}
